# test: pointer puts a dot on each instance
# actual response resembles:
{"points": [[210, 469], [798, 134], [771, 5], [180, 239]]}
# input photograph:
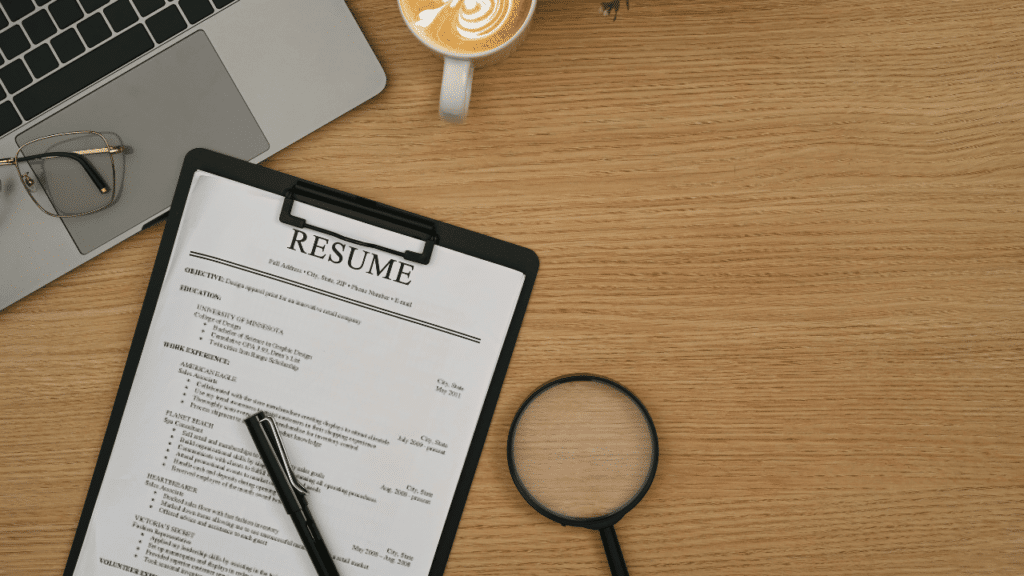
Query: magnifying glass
{"points": [[582, 451]]}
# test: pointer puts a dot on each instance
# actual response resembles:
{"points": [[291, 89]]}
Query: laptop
{"points": [[242, 77]]}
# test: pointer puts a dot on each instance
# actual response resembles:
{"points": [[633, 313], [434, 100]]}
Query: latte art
{"points": [[466, 26]]}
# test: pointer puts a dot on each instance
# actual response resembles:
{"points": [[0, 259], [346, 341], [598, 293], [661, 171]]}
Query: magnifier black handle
{"points": [[613, 551]]}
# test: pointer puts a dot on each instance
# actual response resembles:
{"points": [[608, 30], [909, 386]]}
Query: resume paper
{"points": [[375, 369]]}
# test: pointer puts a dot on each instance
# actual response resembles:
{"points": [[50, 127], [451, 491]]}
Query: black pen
{"points": [[268, 442]]}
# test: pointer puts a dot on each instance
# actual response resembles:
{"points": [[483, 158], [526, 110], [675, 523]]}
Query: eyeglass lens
{"points": [[52, 172]]}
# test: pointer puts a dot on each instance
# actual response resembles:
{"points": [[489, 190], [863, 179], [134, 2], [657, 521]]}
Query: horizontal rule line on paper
{"points": [[347, 300]]}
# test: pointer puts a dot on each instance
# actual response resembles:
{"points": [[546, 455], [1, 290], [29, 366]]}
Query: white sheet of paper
{"points": [[375, 369]]}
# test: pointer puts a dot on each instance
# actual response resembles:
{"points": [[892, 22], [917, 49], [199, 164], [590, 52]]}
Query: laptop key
{"points": [[41, 61], [166, 23], [39, 26], [13, 42], [94, 30], [147, 7], [65, 13], [67, 81], [17, 9], [67, 45], [222, 3], [121, 15], [9, 119], [15, 76], [195, 10]]}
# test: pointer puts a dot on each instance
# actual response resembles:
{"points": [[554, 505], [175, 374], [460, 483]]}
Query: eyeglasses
{"points": [[74, 173]]}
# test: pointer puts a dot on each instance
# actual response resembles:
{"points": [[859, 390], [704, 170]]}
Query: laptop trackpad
{"points": [[182, 98]]}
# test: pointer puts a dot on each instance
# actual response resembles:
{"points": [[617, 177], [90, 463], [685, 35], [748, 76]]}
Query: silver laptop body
{"points": [[246, 78]]}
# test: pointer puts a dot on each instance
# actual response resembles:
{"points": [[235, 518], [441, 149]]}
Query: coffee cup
{"points": [[468, 34]]}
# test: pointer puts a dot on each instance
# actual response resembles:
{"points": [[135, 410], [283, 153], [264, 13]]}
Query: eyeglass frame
{"points": [[78, 156]]}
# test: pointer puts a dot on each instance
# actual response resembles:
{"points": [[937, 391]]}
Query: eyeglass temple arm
{"points": [[93, 174], [104, 150]]}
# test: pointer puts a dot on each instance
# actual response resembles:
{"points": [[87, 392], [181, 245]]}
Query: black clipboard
{"points": [[291, 189]]}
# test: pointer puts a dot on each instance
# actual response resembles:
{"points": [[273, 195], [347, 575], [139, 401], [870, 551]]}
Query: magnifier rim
{"points": [[601, 521]]}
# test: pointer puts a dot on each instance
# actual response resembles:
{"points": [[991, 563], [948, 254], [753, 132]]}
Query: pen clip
{"points": [[270, 427]]}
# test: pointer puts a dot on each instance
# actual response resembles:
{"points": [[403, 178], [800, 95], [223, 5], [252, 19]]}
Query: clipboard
{"points": [[294, 192]]}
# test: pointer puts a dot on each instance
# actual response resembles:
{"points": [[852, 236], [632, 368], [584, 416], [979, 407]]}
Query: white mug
{"points": [[457, 80]]}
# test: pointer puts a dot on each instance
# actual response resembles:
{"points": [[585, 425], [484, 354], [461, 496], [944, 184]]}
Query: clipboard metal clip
{"points": [[363, 210]]}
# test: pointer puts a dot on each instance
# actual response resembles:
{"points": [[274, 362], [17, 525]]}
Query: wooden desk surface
{"points": [[795, 228]]}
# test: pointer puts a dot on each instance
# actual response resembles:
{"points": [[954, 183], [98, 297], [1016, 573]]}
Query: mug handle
{"points": [[456, 86]]}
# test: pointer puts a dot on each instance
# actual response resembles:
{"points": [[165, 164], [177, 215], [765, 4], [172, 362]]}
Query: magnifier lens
{"points": [[583, 450]]}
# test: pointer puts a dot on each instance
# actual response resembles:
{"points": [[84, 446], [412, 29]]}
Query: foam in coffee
{"points": [[466, 26]]}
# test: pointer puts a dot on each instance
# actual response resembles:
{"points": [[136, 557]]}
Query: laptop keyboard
{"points": [[52, 49]]}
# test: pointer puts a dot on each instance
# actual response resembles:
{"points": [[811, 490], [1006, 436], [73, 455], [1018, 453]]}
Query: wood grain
{"points": [[794, 228]]}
